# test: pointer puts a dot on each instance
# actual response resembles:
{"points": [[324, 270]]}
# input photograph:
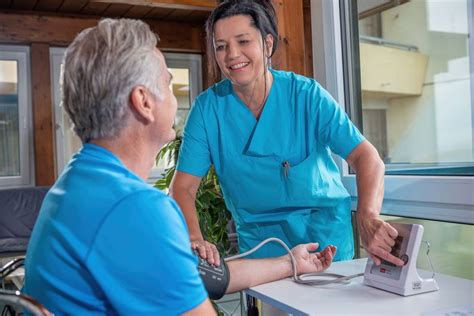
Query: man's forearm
{"points": [[248, 273]]}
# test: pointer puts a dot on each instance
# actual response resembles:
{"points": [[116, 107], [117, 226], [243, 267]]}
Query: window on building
{"points": [[16, 151]]}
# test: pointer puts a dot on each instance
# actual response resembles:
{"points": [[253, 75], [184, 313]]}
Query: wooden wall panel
{"points": [[93, 8], [157, 13], [308, 42], [42, 114], [290, 53], [72, 6], [48, 5], [60, 31], [138, 12], [117, 10], [5, 4], [23, 4]]}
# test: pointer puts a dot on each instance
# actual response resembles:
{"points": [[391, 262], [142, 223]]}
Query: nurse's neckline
{"points": [[256, 112]]}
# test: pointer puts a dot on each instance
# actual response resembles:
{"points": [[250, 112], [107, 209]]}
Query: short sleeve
{"points": [[333, 126], [194, 155], [142, 259]]}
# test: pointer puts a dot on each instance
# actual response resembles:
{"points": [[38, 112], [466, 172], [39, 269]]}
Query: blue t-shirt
{"points": [[106, 242], [277, 173]]}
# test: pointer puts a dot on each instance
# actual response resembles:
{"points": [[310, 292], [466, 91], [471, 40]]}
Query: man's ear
{"points": [[140, 100]]}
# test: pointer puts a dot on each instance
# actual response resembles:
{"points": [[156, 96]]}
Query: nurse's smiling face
{"points": [[239, 49]]}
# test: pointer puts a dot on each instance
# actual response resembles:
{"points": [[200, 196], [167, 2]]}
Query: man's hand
{"points": [[378, 238], [308, 261], [207, 251]]}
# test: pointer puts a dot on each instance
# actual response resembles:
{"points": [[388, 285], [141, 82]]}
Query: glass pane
{"points": [[416, 87], [179, 121], [71, 142], [451, 247], [9, 120], [180, 86]]}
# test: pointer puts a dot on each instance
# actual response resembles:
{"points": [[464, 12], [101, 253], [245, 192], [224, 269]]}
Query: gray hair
{"points": [[101, 67]]}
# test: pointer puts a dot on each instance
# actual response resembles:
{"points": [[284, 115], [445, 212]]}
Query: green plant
{"points": [[212, 213]]}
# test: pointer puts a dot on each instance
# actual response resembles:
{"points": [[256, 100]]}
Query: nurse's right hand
{"points": [[206, 251]]}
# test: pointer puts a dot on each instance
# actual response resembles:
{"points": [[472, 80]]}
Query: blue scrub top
{"points": [[276, 173]]}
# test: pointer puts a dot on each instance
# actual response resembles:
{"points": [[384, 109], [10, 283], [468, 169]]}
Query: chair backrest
{"points": [[26, 302], [18, 212]]}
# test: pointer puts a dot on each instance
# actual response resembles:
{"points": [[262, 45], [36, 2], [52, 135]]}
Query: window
{"points": [[187, 83], [414, 65], [67, 142], [450, 252], [403, 73], [16, 146]]}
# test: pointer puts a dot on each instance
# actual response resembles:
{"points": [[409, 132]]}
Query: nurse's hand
{"points": [[207, 251], [378, 238], [308, 261]]}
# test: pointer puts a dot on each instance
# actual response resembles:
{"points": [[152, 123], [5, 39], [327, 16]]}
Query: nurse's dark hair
{"points": [[263, 18]]}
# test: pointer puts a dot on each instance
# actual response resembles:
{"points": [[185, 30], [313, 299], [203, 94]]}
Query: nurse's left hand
{"points": [[308, 261]]}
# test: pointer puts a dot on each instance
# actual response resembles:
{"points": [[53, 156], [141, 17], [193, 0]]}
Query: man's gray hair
{"points": [[101, 67]]}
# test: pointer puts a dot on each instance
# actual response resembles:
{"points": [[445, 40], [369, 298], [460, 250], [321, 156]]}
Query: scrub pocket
{"points": [[306, 182]]}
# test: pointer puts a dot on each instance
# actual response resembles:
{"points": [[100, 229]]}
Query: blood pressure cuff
{"points": [[215, 279]]}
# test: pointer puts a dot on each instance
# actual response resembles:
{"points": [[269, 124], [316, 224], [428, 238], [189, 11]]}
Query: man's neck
{"points": [[133, 153]]}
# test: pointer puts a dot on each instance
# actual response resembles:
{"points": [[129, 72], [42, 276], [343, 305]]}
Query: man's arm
{"points": [[246, 273], [376, 235], [205, 308]]}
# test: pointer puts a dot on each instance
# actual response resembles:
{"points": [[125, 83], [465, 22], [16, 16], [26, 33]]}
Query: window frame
{"points": [[444, 198], [56, 55], [173, 60], [194, 63], [21, 54]]}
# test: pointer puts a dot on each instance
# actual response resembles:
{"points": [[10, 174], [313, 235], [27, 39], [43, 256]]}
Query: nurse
{"points": [[270, 135]]}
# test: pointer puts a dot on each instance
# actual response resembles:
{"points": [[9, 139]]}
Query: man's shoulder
{"points": [[149, 199], [148, 195]]}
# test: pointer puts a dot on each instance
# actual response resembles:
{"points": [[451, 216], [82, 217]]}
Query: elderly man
{"points": [[105, 241]]}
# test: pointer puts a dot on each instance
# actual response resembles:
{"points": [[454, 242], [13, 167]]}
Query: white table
{"points": [[455, 294]]}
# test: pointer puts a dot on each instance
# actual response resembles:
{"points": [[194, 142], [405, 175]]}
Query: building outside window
{"points": [[415, 71]]}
